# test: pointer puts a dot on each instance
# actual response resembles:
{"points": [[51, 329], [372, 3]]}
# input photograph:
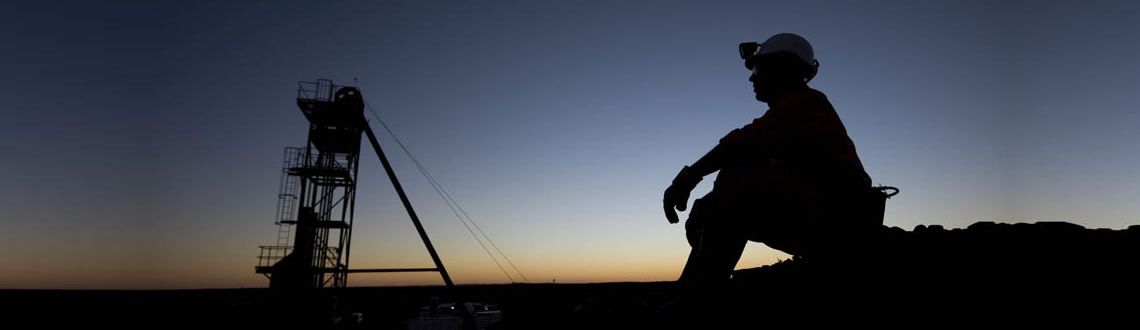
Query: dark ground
{"points": [[987, 274], [529, 306]]}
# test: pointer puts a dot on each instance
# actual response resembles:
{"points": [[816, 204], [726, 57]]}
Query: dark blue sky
{"points": [[142, 141]]}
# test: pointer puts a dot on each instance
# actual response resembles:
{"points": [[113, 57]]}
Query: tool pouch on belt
{"points": [[857, 228], [871, 206]]}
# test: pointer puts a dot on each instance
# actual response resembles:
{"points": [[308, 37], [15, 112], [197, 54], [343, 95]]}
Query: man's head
{"points": [[783, 62]]}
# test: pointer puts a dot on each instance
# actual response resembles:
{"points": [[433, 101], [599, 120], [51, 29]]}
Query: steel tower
{"points": [[318, 194]]}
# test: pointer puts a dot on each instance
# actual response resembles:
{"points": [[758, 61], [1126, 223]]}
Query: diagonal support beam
{"points": [[407, 204]]}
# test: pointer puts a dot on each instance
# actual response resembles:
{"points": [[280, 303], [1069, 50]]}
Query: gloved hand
{"points": [[677, 195]]}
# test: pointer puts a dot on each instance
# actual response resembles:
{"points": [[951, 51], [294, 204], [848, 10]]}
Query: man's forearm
{"points": [[710, 162]]}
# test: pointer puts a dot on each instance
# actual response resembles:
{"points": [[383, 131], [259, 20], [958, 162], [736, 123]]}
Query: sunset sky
{"points": [[142, 141]]}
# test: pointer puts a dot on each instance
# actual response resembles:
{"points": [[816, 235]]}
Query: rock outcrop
{"points": [[1039, 271]]}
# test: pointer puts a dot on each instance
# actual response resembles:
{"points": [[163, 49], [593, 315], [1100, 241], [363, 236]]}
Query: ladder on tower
{"points": [[287, 197]]}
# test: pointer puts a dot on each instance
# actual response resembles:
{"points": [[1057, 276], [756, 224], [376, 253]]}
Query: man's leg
{"points": [[716, 255], [716, 238], [707, 272]]}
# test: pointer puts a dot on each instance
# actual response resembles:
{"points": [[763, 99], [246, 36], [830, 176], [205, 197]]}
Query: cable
{"points": [[488, 238], [451, 203], [423, 171], [447, 196], [472, 221]]}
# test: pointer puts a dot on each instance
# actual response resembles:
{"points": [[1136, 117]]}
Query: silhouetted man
{"points": [[788, 179]]}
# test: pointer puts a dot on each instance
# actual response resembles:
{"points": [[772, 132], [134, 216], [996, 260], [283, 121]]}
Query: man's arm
{"points": [[677, 195], [751, 136], [756, 137], [710, 162]]}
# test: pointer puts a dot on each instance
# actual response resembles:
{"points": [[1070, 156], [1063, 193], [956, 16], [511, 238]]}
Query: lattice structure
{"points": [[318, 195], [318, 192]]}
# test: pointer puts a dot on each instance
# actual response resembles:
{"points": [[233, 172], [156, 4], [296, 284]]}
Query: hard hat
{"points": [[783, 42]]}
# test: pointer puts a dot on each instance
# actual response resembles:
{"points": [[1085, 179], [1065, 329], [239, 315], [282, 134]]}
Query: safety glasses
{"points": [[748, 52], [747, 49]]}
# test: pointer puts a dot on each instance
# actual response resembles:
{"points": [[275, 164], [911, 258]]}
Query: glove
{"points": [[677, 195]]}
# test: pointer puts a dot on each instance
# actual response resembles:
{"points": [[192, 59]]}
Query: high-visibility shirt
{"points": [[799, 147]]}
